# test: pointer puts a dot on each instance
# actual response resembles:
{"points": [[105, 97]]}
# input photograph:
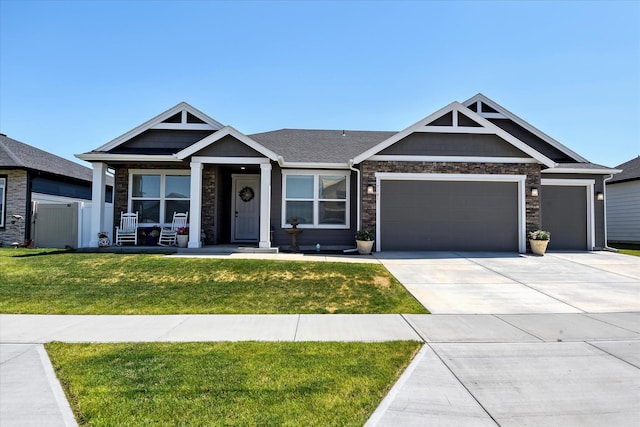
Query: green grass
{"points": [[59, 282], [243, 384], [627, 249]]}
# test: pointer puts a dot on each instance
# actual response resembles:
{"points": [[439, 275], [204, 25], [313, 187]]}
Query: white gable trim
{"points": [[456, 108], [582, 171], [504, 113], [157, 123], [108, 157], [213, 138]]}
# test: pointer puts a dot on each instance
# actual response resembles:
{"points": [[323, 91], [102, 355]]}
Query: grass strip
{"points": [[240, 384]]}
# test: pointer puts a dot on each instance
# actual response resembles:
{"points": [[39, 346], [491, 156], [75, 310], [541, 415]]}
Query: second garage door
{"points": [[448, 216], [564, 215]]}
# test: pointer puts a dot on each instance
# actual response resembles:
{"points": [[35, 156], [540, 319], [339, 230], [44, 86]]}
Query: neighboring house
{"points": [[30, 176], [623, 204], [470, 176]]}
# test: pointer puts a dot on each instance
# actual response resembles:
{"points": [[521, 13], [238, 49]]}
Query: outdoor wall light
{"points": [[371, 188], [599, 195], [534, 191]]}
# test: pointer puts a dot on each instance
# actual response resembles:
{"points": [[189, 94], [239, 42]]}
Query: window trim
{"points": [[3, 209], [316, 173], [163, 173]]}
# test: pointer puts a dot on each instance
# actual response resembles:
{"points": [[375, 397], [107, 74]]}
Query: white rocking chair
{"points": [[128, 230], [168, 234]]}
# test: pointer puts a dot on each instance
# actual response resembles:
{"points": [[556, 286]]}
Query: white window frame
{"points": [[3, 208], [316, 199], [163, 173]]}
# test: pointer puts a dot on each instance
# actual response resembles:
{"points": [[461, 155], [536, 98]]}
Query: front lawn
{"points": [[55, 282], [246, 383], [627, 249]]}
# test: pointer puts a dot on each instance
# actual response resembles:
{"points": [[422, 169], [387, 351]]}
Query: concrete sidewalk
{"points": [[566, 369]]}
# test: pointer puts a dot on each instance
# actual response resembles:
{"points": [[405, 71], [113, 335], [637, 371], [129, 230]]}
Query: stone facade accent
{"points": [[208, 210], [532, 171], [16, 199]]}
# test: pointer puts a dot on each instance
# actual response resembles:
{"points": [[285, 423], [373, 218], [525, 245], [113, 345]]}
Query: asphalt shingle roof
{"points": [[320, 146], [630, 171], [18, 155]]}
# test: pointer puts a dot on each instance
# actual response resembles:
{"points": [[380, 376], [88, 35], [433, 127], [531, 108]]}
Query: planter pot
{"points": [[182, 240], [103, 242], [364, 246], [538, 247]]}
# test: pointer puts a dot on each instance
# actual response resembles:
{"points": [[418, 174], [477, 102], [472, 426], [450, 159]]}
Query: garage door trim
{"points": [[589, 185], [400, 176]]}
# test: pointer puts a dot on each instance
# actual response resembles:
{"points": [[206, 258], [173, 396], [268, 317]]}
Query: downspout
{"points": [[604, 192], [359, 203]]}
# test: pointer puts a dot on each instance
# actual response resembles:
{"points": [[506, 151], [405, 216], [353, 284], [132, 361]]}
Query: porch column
{"points": [[97, 202], [265, 205], [195, 208]]}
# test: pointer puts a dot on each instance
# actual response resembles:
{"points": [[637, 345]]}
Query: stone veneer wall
{"points": [[208, 211], [16, 199], [532, 171]]}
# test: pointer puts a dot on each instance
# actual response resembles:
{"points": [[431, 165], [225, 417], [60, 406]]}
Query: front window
{"points": [[3, 192], [316, 199], [157, 195]]}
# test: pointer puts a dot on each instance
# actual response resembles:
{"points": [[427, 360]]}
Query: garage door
{"points": [[446, 216], [564, 214]]}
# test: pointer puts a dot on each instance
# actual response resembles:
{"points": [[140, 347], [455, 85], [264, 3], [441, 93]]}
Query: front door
{"points": [[245, 208]]}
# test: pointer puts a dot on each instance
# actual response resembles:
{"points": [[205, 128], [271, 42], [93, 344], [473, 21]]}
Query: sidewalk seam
{"points": [[610, 354], [463, 384]]}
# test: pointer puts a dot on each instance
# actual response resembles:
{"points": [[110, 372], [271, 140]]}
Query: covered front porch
{"points": [[228, 199]]}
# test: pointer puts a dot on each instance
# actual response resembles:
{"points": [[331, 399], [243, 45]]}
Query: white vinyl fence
{"points": [[66, 223]]}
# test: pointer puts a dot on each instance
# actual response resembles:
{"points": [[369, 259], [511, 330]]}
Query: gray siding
{"points": [[445, 216], [623, 212], [328, 238], [228, 147], [437, 144], [158, 141], [532, 140]]}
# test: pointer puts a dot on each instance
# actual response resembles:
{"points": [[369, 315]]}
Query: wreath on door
{"points": [[246, 194]]}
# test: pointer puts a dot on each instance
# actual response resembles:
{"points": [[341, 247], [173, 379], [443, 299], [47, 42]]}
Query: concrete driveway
{"points": [[500, 283], [520, 341]]}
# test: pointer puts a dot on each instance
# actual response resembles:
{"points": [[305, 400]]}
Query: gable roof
{"points": [[455, 118], [180, 117], [497, 111], [18, 155], [630, 171], [227, 130]]}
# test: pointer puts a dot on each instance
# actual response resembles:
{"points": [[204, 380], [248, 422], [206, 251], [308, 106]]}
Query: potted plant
{"points": [[364, 241], [539, 240], [182, 236], [103, 239]]}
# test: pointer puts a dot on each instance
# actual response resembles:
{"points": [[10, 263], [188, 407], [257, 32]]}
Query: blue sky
{"points": [[76, 74]]}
